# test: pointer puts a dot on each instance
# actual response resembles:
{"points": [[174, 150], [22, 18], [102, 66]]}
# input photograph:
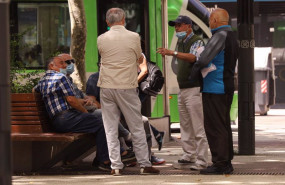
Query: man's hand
{"points": [[97, 104], [81, 101], [164, 51], [187, 57], [94, 101], [88, 101], [75, 103]]}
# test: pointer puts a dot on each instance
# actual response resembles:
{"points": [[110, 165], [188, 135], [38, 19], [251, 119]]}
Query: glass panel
{"points": [[132, 8], [47, 31], [269, 21]]}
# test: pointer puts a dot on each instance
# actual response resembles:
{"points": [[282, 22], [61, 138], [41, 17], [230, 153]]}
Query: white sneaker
{"points": [[197, 167], [116, 172]]}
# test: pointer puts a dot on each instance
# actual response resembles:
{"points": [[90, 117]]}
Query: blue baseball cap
{"points": [[181, 19]]}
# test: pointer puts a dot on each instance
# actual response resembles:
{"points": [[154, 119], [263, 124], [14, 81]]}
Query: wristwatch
{"points": [[175, 53]]}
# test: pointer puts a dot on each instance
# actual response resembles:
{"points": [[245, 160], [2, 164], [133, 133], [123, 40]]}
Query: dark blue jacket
{"points": [[91, 86], [222, 51]]}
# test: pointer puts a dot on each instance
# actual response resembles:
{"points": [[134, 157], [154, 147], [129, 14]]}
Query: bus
{"points": [[46, 25]]}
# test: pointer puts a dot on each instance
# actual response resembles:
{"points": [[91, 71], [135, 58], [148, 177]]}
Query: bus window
{"points": [[269, 20], [45, 28]]}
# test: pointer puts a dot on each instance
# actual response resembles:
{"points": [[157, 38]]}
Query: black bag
{"points": [[154, 81]]}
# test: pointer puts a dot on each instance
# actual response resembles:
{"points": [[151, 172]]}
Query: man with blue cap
{"points": [[193, 137]]}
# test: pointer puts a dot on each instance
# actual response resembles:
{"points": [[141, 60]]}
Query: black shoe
{"points": [[183, 161], [129, 157], [159, 138], [217, 170], [102, 166], [231, 167]]}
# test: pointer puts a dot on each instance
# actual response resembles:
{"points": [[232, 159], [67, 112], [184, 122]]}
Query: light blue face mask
{"points": [[70, 68], [63, 71], [181, 34]]}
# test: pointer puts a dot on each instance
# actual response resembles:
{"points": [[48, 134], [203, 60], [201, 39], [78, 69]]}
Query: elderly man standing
{"points": [[193, 137], [120, 52], [217, 65]]}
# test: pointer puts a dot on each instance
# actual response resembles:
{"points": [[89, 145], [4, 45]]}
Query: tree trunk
{"points": [[78, 40]]}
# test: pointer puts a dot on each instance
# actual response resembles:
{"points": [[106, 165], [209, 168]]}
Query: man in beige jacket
{"points": [[120, 52]]}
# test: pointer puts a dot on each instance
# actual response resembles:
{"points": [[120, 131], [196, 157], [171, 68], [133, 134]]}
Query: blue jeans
{"points": [[78, 122]]}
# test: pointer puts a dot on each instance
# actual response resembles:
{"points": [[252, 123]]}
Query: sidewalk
{"points": [[267, 166]]}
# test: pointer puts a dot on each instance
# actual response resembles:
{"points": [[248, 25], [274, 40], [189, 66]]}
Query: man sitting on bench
{"points": [[67, 113]]}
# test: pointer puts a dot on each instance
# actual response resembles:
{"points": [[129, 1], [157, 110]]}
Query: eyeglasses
{"points": [[69, 61]]}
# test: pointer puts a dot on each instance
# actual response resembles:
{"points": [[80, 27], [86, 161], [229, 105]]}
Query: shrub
{"points": [[21, 79]]}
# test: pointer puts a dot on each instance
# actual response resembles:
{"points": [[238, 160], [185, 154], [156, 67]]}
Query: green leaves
{"points": [[23, 81]]}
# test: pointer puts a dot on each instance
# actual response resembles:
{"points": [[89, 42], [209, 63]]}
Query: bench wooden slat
{"points": [[24, 97], [31, 113], [22, 109], [65, 137], [32, 118], [26, 122], [34, 109], [29, 129], [26, 104]]}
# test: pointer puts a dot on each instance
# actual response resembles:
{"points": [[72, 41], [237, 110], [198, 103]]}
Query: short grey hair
{"points": [[115, 15], [48, 62]]}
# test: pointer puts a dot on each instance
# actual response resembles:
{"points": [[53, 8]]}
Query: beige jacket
{"points": [[119, 49]]}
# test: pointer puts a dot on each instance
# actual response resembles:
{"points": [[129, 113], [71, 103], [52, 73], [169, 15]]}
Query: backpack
{"points": [[154, 81]]}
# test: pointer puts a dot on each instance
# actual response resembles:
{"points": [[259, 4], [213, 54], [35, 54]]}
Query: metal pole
{"points": [[246, 84], [5, 130], [164, 16]]}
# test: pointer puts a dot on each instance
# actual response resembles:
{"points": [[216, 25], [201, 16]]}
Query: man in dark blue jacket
{"points": [[217, 64]]}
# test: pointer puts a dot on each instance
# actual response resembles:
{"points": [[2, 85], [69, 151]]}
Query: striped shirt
{"points": [[195, 45], [54, 87]]}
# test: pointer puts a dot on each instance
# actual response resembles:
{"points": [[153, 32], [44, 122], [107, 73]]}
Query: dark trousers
{"points": [[143, 97], [155, 131], [78, 122], [217, 123]]}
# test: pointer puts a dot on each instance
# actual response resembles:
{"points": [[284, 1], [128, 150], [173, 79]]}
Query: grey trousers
{"points": [[193, 137], [113, 102]]}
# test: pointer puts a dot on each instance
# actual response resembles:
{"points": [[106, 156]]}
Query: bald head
{"points": [[218, 17], [65, 56], [56, 63]]}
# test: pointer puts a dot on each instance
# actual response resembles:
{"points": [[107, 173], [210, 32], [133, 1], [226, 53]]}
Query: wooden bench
{"points": [[35, 145]]}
